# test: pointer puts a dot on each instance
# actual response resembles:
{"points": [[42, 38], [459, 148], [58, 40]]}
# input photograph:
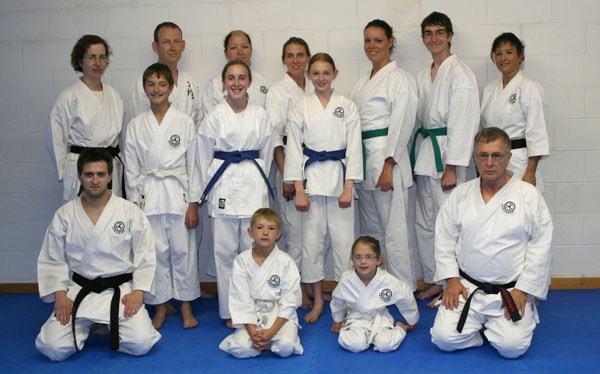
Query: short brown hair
{"points": [[491, 134], [268, 214]]}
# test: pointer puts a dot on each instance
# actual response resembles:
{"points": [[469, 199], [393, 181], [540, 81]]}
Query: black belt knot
{"points": [[96, 286], [489, 288]]}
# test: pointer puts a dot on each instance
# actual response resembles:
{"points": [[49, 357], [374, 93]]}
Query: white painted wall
{"points": [[36, 36]]}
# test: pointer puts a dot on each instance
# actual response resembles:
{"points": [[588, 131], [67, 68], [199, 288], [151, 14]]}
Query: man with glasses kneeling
{"points": [[492, 247]]}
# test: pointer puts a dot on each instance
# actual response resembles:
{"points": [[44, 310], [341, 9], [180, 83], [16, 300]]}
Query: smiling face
{"points": [[93, 69], [295, 58], [508, 60], [158, 90], [377, 45], [170, 45], [321, 74], [437, 39], [238, 47], [236, 81], [264, 233], [365, 261]]}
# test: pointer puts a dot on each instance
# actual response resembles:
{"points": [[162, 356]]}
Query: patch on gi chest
{"points": [[119, 227], [339, 112], [274, 281], [174, 141], [509, 208], [264, 89], [513, 98], [190, 92], [385, 295]]}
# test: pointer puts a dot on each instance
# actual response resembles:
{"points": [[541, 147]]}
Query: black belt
{"points": [[518, 143], [489, 289], [98, 285], [114, 152]]}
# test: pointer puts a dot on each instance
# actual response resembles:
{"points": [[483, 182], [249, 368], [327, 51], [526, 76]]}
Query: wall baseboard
{"points": [[210, 288]]}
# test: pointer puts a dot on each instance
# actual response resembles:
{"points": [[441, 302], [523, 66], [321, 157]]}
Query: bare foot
{"points": [[170, 309], [314, 314], [436, 302], [306, 303], [430, 292], [160, 316], [189, 321], [229, 323], [326, 296]]}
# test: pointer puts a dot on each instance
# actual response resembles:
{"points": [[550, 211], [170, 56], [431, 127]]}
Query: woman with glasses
{"points": [[516, 105], [87, 114]]}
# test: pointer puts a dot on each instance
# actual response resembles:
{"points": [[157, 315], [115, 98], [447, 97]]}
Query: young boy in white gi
{"points": [[106, 243], [359, 302], [162, 178], [447, 120], [493, 248], [264, 294]]}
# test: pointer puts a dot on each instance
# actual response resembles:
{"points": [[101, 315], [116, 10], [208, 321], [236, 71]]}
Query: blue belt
{"points": [[321, 156], [234, 157]]}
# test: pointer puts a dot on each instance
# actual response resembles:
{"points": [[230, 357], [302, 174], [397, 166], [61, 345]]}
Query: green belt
{"points": [[368, 135], [433, 133]]}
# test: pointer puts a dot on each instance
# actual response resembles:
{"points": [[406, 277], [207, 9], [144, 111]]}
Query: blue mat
{"points": [[565, 342]]}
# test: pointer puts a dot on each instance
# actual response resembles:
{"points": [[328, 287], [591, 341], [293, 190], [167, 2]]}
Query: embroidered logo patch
{"points": [[264, 89], [339, 112], [385, 295], [513, 98], [274, 281], [509, 207], [174, 141], [222, 203], [119, 227]]}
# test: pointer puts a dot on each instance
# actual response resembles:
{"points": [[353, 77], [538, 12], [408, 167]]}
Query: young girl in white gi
{"points": [[359, 302], [86, 114], [162, 178], [237, 46], [281, 99], [515, 104], [264, 294], [323, 161], [236, 149], [386, 98]]}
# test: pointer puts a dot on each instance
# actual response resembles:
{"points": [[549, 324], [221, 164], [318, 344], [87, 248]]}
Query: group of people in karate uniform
{"points": [[244, 144]]}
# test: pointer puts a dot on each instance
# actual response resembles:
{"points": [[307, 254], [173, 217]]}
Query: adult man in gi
{"points": [[106, 243], [447, 120], [492, 246]]}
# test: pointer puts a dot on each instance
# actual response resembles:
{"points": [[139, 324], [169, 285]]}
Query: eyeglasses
{"points": [[439, 33], [94, 58], [496, 156], [366, 257]]}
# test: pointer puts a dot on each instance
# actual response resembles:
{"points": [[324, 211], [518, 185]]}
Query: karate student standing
{"points": [[88, 114], [162, 178], [264, 294], [359, 302], [323, 173], [235, 148]]}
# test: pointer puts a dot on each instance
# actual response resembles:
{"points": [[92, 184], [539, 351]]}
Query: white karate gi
{"points": [[451, 101], [214, 93], [281, 99], [241, 190], [324, 129], [186, 97], [162, 177], [508, 239], [364, 308], [519, 110], [79, 118], [388, 100], [258, 295], [120, 242]]}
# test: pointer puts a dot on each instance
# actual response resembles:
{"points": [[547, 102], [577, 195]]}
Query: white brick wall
{"points": [[562, 53]]}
